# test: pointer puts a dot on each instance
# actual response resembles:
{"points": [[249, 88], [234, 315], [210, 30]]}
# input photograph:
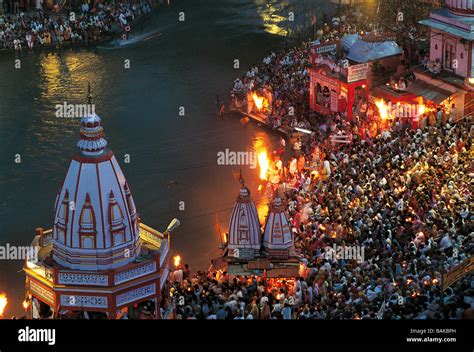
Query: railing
{"points": [[41, 270]]}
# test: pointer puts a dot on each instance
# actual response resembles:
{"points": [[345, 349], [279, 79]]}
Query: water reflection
{"points": [[274, 17]]}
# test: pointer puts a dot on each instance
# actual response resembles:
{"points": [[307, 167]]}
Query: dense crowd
{"points": [[88, 25], [403, 196], [398, 195]]}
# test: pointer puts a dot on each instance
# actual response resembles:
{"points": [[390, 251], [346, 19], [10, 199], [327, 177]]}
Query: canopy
{"points": [[362, 51], [348, 40], [428, 91]]}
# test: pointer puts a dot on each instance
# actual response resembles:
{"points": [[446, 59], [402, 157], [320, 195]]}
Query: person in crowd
{"points": [[101, 22]]}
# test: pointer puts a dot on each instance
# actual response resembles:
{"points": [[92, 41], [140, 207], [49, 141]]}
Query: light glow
{"points": [[3, 303]]}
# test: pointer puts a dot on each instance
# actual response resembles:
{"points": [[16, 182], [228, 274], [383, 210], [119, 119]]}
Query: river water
{"points": [[173, 158]]}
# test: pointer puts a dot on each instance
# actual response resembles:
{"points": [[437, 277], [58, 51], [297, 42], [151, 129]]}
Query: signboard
{"points": [[458, 273], [317, 50], [357, 72], [325, 48], [242, 253], [45, 294]]}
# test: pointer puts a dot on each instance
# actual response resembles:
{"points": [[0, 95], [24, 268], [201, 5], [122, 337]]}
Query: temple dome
{"points": [[244, 228], [277, 234], [461, 7], [95, 221]]}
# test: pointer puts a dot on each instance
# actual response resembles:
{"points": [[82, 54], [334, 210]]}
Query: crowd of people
{"points": [[398, 194], [403, 196], [90, 24]]}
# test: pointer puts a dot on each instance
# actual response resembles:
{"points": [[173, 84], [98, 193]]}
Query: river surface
{"points": [[173, 158]]}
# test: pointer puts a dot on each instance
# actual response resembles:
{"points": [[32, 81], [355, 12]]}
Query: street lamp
{"points": [[173, 225]]}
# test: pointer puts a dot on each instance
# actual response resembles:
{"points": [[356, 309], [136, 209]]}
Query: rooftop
{"points": [[153, 243], [446, 21]]}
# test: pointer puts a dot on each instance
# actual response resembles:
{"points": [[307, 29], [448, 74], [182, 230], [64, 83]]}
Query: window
{"points": [[326, 97], [61, 235], [118, 237], [319, 94], [243, 235], [88, 241], [449, 56]]}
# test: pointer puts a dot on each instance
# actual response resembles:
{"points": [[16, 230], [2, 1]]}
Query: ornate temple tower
{"points": [[95, 220], [277, 237], [245, 254], [244, 229], [98, 257]]}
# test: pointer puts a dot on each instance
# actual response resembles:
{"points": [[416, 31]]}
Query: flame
{"points": [[25, 305], [177, 260], [421, 111], [263, 163], [3, 303], [225, 237], [383, 108], [260, 102]]}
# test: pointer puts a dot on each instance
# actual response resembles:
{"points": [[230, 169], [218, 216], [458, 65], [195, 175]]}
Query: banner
{"points": [[357, 72]]}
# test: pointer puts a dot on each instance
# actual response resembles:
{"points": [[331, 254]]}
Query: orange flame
{"points": [[25, 305], [3, 303], [260, 102], [263, 163], [177, 260], [383, 108]]}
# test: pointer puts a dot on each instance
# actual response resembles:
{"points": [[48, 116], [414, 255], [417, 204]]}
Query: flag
{"points": [[381, 311], [218, 231]]}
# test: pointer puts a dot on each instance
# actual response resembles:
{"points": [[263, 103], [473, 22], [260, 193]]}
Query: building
{"points": [[244, 229], [98, 257], [451, 46], [277, 236], [248, 253], [333, 86]]}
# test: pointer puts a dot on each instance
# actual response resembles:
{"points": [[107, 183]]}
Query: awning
{"points": [[428, 91], [218, 264]]}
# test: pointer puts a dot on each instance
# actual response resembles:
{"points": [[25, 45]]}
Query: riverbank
{"points": [[54, 31]]}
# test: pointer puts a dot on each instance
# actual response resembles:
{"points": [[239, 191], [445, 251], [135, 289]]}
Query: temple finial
{"points": [[238, 176], [89, 94]]}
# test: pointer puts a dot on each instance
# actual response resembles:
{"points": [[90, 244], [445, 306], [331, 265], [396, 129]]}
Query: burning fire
{"points": [[260, 102], [3, 303], [25, 305], [225, 237], [383, 108], [177, 260], [263, 163]]}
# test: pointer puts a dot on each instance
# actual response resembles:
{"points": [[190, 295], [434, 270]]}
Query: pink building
{"points": [[451, 46]]}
